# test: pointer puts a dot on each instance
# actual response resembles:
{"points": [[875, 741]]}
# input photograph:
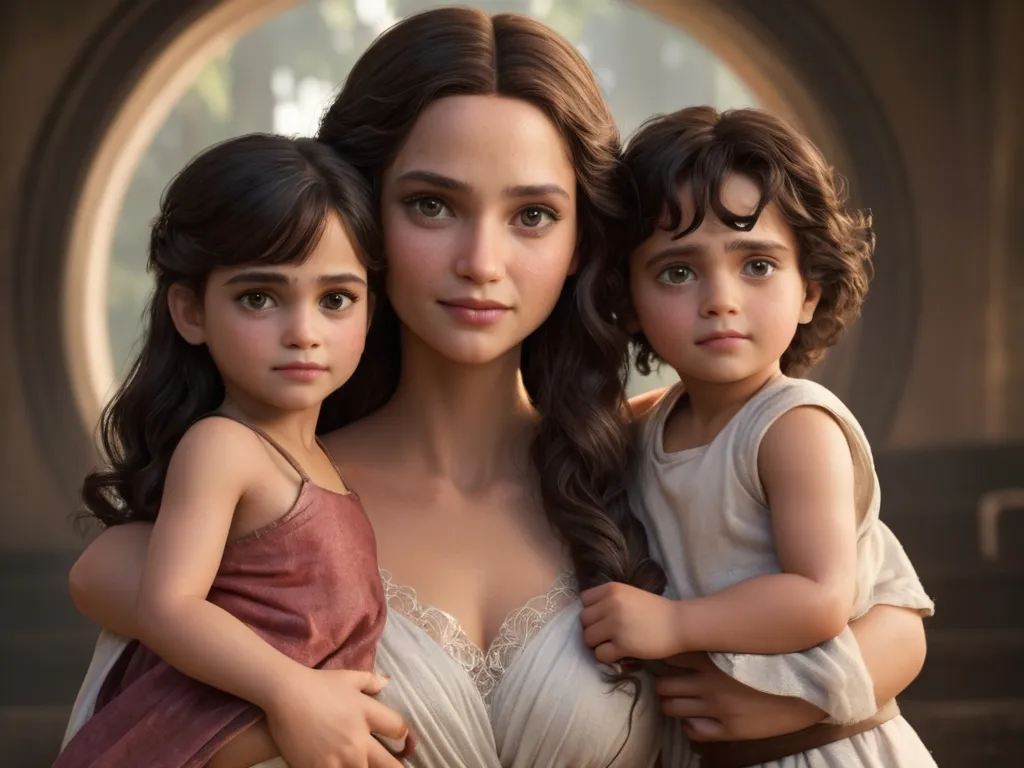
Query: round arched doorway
{"points": [[175, 77]]}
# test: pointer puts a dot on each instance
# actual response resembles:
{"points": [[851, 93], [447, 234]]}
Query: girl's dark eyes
{"points": [[337, 301], [255, 300]]}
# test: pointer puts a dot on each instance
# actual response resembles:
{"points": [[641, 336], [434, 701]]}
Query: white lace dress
{"points": [[534, 698]]}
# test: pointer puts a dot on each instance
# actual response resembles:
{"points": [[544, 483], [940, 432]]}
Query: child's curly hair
{"points": [[700, 146]]}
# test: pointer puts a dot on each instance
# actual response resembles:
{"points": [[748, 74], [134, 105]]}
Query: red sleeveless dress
{"points": [[308, 584]]}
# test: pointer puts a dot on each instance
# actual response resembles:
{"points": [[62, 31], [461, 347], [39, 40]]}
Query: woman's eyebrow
{"points": [[436, 179]]}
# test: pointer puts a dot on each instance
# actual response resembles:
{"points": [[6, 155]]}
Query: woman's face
{"points": [[479, 215]]}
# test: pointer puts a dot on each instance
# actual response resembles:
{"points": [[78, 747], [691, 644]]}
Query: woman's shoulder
{"points": [[356, 443]]}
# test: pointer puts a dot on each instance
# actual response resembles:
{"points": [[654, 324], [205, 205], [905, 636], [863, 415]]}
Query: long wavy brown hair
{"points": [[572, 364], [700, 147]]}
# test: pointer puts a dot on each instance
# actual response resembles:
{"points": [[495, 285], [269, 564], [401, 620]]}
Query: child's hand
{"points": [[326, 717], [620, 621]]}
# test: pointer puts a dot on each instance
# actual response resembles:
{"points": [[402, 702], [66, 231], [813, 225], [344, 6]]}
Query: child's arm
{"points": [[211, 469], [807, 471]]}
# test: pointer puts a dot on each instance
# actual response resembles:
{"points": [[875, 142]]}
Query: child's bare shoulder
{"points": [[219, 446], [806, 437]]}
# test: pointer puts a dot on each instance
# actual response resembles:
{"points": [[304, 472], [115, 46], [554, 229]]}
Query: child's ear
{"points": [[187, 313], [812, 295]]}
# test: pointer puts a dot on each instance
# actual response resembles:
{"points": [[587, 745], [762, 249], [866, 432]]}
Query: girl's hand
{"points": [[620, 621], [325, 718], [714, 707]]}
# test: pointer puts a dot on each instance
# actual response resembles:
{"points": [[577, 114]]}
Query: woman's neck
{"points": [[468, 424]]}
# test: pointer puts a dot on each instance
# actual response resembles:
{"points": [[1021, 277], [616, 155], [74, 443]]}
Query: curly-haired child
{"points": [[746, 265]]}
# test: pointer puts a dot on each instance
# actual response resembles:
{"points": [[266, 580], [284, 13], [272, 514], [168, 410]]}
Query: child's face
{"points": [[479, 216], [285, 336], [721, 306]]}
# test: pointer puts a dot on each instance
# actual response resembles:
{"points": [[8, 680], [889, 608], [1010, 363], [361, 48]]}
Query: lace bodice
{"points": [[485, 668]]}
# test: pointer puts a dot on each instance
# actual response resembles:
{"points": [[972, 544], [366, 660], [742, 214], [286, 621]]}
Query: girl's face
{"points": [[479, 216], [721, 306], [283, 336]]}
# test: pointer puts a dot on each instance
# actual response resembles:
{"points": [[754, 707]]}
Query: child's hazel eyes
{"points": [[759, 268], [676, 275]]}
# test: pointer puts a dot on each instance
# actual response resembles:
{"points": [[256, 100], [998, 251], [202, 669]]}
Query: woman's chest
{"points": [[549, 703], [477, 558]]}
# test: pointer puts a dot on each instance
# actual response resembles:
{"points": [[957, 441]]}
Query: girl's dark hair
{"points": [[257, 199], [700, 146], [572, 364]]}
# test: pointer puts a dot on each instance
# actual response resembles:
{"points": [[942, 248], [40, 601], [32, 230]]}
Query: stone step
{"points": [[40, 602], [30, 736], [970, 734], [43, 668], [937, 539], [34, 590], [975, 598], [930, 499], [959, 475], [966, 664]]}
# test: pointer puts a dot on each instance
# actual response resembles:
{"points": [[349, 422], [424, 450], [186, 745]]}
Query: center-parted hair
{"points": [[697, 148], [255, 200], [572, 364]]}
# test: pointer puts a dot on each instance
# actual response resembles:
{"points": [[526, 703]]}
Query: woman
{"points": [[482, 431]]}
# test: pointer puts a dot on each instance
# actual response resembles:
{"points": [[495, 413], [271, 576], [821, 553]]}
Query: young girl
{"points": [[747, 267], [262, 257]]}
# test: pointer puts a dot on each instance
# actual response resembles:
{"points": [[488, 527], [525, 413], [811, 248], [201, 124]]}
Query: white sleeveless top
{"points": [[709, 525]]}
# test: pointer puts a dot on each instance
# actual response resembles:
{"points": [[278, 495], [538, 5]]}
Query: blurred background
{"points": [[918, 102]]}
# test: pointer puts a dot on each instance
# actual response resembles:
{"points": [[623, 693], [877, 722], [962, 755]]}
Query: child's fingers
{"points": [[679, 686], [594, 594], [371, 683], [608, 653], [378, 756], [597, 633], [593, 613], [703, 729], [384, 721], [680, 707]]}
